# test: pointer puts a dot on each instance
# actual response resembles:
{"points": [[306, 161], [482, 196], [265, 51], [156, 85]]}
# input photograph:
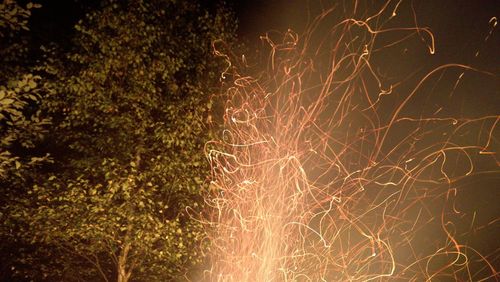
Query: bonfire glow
{"points": [[317, 177]]}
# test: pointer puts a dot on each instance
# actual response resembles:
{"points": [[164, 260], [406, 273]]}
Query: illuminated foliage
{"points": [[130, 107], [21, 123]]}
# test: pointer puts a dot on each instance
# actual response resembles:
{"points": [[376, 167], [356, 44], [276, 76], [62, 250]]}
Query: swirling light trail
{"points": [[317, 177]]}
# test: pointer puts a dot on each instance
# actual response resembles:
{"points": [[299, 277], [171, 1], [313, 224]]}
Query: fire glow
{"points": [[317, 177]]}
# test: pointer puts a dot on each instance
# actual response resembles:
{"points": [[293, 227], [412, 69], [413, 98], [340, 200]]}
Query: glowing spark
{"points": [[315, 178]]}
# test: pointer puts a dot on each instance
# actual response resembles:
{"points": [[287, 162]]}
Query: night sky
{"points": [[460, 26]]}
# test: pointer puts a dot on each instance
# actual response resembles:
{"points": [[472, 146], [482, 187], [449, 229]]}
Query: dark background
{"points": [[460, 26]]}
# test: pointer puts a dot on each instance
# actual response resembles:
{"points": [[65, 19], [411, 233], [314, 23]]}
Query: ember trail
{"points": [[330, 170]]}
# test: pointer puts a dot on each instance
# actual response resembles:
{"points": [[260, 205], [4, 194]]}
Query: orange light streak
{"points": [[322, 175]]}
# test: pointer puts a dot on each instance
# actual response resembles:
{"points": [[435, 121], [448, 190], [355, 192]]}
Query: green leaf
{"points": [[7, 101]]}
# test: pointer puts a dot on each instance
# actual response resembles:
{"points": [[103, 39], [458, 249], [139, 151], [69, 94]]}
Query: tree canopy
{"points": [[129, 106]]}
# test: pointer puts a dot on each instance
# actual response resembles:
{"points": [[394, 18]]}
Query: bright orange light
{"points": [[317, 177]]}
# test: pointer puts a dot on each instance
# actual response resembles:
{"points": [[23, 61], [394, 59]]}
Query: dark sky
{"points": [[459, 26]]}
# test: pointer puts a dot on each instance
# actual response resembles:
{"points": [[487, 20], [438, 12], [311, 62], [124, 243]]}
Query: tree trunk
{"points": [[123, 273]]}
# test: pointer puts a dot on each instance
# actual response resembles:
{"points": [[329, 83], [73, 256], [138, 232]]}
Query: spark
{"points": [[321, 175]]}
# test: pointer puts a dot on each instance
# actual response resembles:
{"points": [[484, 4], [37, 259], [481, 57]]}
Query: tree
{"points": [[21, 122], [130, 114], [22, 125]]}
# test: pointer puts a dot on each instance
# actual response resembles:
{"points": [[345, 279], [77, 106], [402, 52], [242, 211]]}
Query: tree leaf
{"points": [[7, 101]]}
